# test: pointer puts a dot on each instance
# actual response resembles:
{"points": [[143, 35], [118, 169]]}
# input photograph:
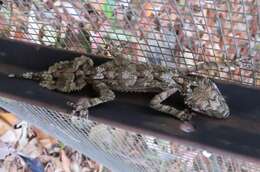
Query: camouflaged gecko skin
{"points": [[200, 93]]}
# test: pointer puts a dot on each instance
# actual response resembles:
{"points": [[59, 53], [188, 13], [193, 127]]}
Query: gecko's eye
{"points": [[193, 87]]}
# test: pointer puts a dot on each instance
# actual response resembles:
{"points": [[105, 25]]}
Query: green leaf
{"points": [[108, 8], [61, 145], [122, 35], [257, 47]]}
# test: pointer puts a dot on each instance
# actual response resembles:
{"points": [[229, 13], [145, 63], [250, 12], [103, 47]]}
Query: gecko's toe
{"points": [[80, 108], [11, 75], [72, 104], [82, 102], [185, 115], [83, 113]]}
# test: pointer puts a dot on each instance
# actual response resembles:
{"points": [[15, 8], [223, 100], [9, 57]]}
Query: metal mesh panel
{"points": [[167, 32], [122, 150]]}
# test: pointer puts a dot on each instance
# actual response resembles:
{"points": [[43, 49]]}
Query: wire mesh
{"points": [[166, 32], [122, 150]]}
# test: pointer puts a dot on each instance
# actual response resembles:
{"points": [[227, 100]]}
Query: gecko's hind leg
{"points": [[81, 107], [156, 103]]}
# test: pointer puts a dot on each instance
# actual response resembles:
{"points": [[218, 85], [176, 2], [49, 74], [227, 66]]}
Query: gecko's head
{"points": [[203, 96]]}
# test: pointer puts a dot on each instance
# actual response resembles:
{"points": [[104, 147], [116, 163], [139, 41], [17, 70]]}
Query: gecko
{"points": [[200, 93]]}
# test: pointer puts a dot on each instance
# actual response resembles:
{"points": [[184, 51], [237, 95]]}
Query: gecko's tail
{"points": [[36, 76]]}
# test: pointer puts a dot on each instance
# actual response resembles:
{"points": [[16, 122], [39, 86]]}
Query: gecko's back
{"points": [[125, 75]]}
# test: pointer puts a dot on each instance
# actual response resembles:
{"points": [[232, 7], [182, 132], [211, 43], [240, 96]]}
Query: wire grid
{"points": [[122, 150], [165, 32], [173, 33]]}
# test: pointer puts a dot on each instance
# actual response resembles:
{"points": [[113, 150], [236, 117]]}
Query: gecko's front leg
{"points": [[156, 103], [105, 95]]}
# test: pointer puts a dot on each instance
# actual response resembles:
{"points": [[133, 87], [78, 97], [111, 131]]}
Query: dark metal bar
{"points": [[239, 135]]}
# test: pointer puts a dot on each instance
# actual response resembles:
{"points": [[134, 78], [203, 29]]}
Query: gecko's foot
{"points": [[184, 115], [80, 108], [83, 113]]}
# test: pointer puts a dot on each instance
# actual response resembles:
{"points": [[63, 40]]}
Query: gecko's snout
{"points": [[221, 113]]}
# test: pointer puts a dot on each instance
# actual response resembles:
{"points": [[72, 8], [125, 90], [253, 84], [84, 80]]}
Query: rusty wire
{"points": [[173, 32]]}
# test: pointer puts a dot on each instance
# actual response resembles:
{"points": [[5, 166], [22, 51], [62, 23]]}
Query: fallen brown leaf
{"points": [[65, 161], [9, 118]]}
